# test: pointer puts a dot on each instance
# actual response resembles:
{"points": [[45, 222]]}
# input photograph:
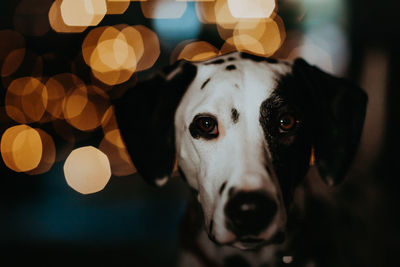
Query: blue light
{"points": [[173, 31]]}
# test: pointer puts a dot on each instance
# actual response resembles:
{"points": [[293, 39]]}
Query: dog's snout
{"points": [[248, 213]]}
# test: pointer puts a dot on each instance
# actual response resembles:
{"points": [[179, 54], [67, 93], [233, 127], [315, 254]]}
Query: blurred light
{"points": [[12, 62], [120, 161], [21, 148], [83, 12], [31, 18], [26, 100], [113, 52], [228, 46], [57, 88], [223, 15], [287, 259], [109, 122], [314, 55], [198, 51], [205, 12], [57, 23], [151, 47], [85, 107], [251, 8], [87, 170], [32, 65], [263, 40], [173, 31], [117, 6], [48, 156], [163, 9]]}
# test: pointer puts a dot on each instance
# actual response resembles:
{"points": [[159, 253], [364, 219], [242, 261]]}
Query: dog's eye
{"points": [[207, 125], [204, 126], [287, 122]]}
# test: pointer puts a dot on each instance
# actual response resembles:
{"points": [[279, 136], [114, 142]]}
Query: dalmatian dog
{"points": [[242, 129]]}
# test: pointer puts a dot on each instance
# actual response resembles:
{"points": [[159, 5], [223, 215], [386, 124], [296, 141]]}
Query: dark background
{"points": [[45, 222]]}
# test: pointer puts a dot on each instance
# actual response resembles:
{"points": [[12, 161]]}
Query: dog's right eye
{"points": [[204, 126]]}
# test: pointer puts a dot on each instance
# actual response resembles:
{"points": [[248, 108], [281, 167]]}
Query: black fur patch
{"points": [[236, 261], [231, 59], [258, 58], [205, 83], [291, 150], [235, 115], [221, 190], [230, 67], [215, 62]]}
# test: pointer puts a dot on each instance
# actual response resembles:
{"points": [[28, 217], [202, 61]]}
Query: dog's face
{"points": [[242, 129]]}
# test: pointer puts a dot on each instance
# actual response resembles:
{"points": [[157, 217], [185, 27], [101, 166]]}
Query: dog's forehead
{"points": [[235, 77]]}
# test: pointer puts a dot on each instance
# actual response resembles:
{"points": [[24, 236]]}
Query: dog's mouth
{"points": [[253, 243]]}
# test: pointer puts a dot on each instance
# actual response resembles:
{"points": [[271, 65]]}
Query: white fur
{"points": [[240, 153]]}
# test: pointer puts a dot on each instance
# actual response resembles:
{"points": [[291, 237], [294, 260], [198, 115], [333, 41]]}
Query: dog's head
{"points": [[242, 129]]}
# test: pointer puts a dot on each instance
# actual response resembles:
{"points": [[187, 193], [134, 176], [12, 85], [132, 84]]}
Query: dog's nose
{"points": [[248, 213]]}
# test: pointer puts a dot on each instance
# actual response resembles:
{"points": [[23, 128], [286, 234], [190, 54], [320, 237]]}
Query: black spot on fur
{"points": [[221, 190], [237, 86], [216, 62], [258, 58], [231, 59], [234, 115], [230, 67], [205, 83]]}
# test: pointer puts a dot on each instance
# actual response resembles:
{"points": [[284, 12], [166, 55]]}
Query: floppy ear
{"points": [[337, 111], [145, 116]]}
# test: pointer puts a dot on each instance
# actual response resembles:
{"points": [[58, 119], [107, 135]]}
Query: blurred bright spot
{"points": [[85, 107], [173, 31], [113, 146], [205, 12], [223, 15], [117, 6], [57, 88], [163, 9], [228, 46], [287, 259], [314, 54], [251, 8], [198, 51], [113, 52], [109, 122], [26, 100], [264, 39], [83, 12], [12, 62], [31, 19], [151, 47], [87, 170], [48, 156], [21, 148], [57, 23]]}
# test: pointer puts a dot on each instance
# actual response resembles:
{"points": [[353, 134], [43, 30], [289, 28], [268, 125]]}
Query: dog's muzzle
{"points": [[248, 214]]}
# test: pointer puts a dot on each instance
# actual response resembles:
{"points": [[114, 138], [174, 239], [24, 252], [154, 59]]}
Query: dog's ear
{"points": [[337, 117], [145, 116]]}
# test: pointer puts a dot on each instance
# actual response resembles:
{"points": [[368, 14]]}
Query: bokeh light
{"points": [[163, 9], [26, 100], [31, 19], [21, 148], [120, 161], [117, 6], [198, 51], [83, 13], [48, 155], [87, 170], [57, 23], [251, 8]]}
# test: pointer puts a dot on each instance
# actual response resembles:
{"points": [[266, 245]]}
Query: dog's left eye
{"points": [[204, 126], [287, 122]]}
